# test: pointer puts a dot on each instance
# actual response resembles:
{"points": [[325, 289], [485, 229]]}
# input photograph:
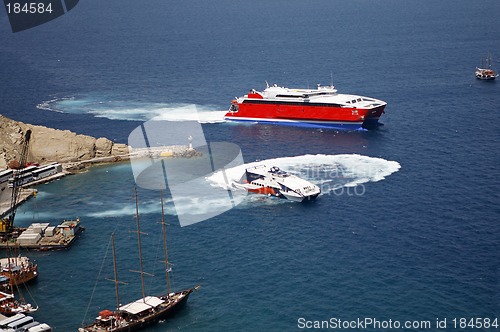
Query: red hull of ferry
{"points": [[250, 111], [321, 107]]}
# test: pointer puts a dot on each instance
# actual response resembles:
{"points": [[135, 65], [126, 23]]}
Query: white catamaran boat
{"points": [[276, 182]]}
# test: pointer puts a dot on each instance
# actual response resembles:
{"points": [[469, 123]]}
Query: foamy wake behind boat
{"points": [[273, 181], [322, 108]]}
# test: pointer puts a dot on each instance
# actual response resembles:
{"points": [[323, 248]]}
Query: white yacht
{"points": [[276, 182]]}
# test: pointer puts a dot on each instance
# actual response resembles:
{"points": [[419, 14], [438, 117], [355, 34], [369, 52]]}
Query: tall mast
{"points": [[139, 245], [165, 252], [116, 271], [11, 281]]}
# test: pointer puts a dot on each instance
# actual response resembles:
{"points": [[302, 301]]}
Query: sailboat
{"points": [[147, 310], [486, 72], [9, 306], [16, 271]]}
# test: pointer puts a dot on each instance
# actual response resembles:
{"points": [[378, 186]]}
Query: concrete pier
{"points": [[25, 192], [6, 196]]}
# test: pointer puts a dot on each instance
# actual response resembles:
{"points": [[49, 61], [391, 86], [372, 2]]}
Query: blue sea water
{"points": [[419, 244]]}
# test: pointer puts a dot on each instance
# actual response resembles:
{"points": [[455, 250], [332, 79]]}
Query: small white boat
{"points": [[486, 72], [276, 182]]}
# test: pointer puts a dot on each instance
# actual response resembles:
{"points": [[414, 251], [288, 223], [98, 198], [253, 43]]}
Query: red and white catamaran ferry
{"points": [[322, 107]]}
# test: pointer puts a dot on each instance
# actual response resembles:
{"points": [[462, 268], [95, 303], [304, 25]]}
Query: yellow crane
{"points": [[7, 224]]}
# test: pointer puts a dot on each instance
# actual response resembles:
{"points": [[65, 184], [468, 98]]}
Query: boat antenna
{"points": [[331, 77], [165, 252]]}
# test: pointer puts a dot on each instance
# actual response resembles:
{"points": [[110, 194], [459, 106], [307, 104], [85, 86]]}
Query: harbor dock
{"points": [[43, 236], [30, 176], [5, 198]]}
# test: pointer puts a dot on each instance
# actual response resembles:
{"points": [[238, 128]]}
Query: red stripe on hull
{"points": [[263, 191], [304, 112]]}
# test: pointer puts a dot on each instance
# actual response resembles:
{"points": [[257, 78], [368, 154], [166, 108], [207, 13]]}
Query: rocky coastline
{"points": [[54, 145], [74, 151]]}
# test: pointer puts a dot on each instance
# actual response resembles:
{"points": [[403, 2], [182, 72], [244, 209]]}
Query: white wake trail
{"points": [[344, 170]]}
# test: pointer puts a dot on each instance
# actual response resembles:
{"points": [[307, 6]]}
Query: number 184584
{"points": [[28, 8]]}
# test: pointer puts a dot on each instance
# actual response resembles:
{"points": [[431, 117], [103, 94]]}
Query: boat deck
{"points": [[57, 241]]}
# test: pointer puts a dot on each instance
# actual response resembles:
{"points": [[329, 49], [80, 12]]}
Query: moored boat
{"points": [[15, 271], [145, 311], [10, 306], [273, 181], [322, 107], [139, 314], [19, 270]]}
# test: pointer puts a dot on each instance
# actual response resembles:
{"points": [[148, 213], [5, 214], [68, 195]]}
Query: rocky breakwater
{"points": [[48, 145]]}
